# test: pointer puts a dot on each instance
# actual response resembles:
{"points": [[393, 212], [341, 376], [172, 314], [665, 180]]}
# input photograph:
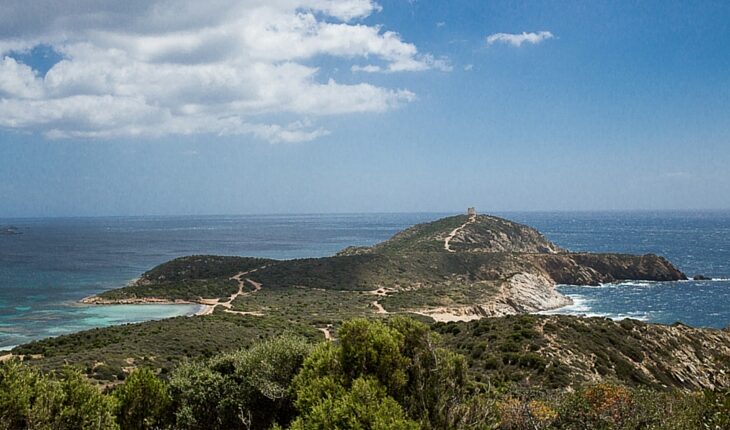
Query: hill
{"points": [[462, 233]]}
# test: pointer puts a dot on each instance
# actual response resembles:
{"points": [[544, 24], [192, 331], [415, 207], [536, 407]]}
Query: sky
{"points": [[162, 107]]}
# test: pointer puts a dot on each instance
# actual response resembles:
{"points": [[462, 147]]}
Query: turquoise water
{"points": [[45, 271], [100, 316]]}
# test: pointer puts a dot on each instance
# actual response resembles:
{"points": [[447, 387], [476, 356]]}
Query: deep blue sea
{"points": [[55, 262]]}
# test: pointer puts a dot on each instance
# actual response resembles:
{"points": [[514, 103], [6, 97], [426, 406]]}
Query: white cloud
{"points": [[518, 39], [18, 80], [369, 68], [161, 67], [424, 62]]}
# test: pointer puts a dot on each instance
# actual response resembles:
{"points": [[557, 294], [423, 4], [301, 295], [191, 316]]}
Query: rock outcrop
{"points": [[596, 269], [9, 230]]}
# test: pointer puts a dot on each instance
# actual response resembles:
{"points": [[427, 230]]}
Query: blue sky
{"points": [[146, 110]]}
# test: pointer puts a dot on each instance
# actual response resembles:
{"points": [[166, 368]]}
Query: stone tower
{"points": [[471, 212]]}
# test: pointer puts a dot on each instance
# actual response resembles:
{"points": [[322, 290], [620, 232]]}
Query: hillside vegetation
{"points": [[393, 374], [559, 351]]}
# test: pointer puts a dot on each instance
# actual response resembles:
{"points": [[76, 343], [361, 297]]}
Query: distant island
{"points": [[9, 230]]}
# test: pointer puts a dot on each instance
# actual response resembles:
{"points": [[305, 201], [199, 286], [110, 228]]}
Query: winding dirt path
{"points": [[379, 309], [211, 304], [455, 231], [380, 292], [327, 333]]}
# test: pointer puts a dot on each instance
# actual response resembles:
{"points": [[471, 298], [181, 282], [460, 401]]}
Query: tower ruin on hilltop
{"points": [[471, 212]]}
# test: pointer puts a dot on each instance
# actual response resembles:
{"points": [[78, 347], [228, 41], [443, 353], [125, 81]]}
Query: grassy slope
{"points": [[189, 278], [103, 352], [307, 294]]}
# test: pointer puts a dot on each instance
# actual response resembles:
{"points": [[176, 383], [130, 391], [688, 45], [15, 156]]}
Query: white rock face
{"points": [[525, 293], [522, 293], [529, 292]]}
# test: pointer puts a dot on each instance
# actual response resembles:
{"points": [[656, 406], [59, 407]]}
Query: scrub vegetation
{"points": [[395, 373]]}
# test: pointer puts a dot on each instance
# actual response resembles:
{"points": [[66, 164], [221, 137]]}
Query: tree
{"points": [[364, 406], [246, 389], [31, 400], [401, 356], [17, 394], [83, 406], [142, 402]]}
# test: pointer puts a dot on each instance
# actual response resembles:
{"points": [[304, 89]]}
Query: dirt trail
{"points": [[211, 304], [256, 286], [380, 292], [327, 333], [455, 231], [379, 309], [252, 313]]}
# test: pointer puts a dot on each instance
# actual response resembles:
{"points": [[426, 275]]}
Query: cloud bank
{"points": [[518, 39], [183, 67]]}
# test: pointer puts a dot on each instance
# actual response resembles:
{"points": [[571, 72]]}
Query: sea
{"points": [[55, 262]]}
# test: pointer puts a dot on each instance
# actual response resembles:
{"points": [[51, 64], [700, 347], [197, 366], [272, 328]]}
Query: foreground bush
{"points": [[30, 400], [142, 402], [406, 374], [365, 405], [612, 406], [248, 389]]}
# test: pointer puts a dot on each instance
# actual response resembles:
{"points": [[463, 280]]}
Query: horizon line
{"points": [[344, 213]]}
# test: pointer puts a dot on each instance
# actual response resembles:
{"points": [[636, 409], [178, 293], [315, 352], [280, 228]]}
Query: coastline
{"points": [[203, 308]]}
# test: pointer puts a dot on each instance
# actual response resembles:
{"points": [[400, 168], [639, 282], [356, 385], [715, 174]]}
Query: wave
{"points": [[633, 284], [582, 307], [616, 284]]}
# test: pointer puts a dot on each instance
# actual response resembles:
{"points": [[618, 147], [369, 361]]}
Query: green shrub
{"points": [[142, 401], [364, 406], [401, 357], [245, 389], [31, 400]]}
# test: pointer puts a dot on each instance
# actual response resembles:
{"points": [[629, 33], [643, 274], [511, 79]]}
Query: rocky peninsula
{"points": [[457, 268]]}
